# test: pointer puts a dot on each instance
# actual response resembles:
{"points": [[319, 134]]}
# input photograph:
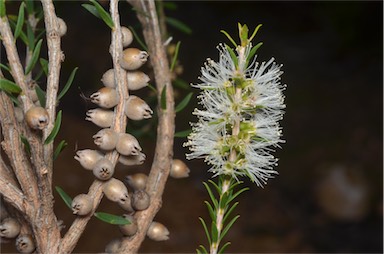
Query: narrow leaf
{"points": [[182, 134], [218, 189], [181, 84], [55, 129], [9, 86], [230, 210], [30, 37], [206, 230], [234, 196], [213, 199], [229, 38], [30, 6], [210, 210], [228, 226], [178, 25], [40, 95], [174, 59], [91, 9], [163, 99], [254, 32], [20, 21], [223, 247], [35, 56], [59, 149], [138, 39], [112, 219], [103, 14], [183, 103], [66, 198], [44, 65], [68, 84], [214, 232], [253, 52], [27, 146], [233, 56], [2, 8], [203, 249], [3, 66]]}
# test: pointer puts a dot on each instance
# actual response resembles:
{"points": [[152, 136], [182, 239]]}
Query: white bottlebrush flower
{"points": [[238, 125]]}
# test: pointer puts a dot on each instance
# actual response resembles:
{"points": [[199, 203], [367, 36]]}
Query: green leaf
{"points": [[178, 25], [40, 95], [20, 21], [218, 189], [68, 84], [223, 247], [229, 38], [233, 56], [254, 32], [66, 198], [2, 8], [91, 9], [169, 6], [183, 103], [138, 39], [230, 210], [112, 219], [210, 210], [59, 149], [182, 134], [243, 34], [3, 66], [55, 129], [213, 199], [228, 226], [9, 86], [237, 194], [27, 146], [103, 14], [44, 65], [174, 59], [30, 6], [30, 37], [253, 52], [206, 230], [204, 250], [214, 232], [35, 56], [163, 99], [181, 84]]}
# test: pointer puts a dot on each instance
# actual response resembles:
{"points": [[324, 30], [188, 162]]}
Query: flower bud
{"points": [[82, 204], [115, 190], [37, 118], [9, 228], [25, 244], [88, 158], [106, 97], [127, 36], [137, 80], [136, 181], [137, 109], [128, 144], [106, 139], [129, 229], [140, 200], [103, 169], [133, 58], [157, 232], [179, 169], [101, 117], [132, 160]]}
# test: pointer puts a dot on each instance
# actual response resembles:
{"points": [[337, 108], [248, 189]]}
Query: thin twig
{"points": [[119, 125], [165, 131]]}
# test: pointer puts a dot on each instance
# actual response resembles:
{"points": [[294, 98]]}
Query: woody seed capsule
{"points": [[9, 228], [82, 204], [157, 232], [106, 139], [133, 58], [131, 160], [136, 181], [25, 244], [88, 158], [129, 229], [128, 144], [103, 169], [106, 97], [37, 118], [101, 117], [137, 109]]}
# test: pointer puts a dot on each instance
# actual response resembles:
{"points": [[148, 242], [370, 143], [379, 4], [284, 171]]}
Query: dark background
{"points": [[328, 194]]}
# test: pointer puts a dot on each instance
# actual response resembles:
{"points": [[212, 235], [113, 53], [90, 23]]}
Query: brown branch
{"points": [[165, 131], [17, 71], [119, 125]]}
